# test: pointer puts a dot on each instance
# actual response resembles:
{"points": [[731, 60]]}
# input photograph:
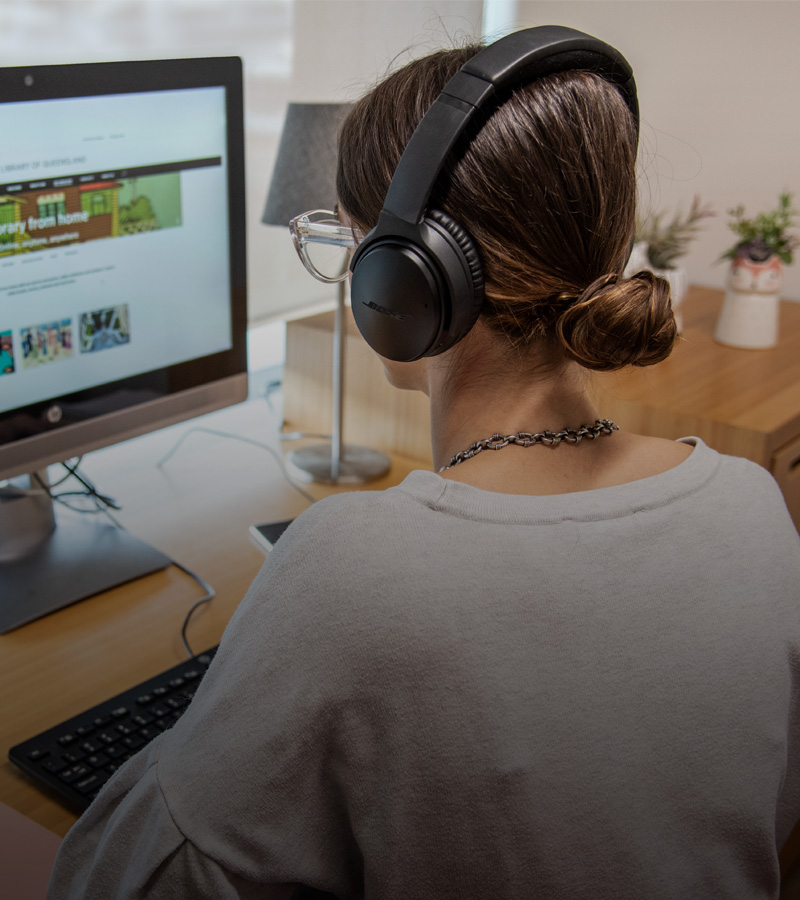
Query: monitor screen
{"points": [[122, 266], [122, 270]]}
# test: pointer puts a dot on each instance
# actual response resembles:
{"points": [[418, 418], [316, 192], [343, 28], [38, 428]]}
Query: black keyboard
{"points": [[76, 758]]}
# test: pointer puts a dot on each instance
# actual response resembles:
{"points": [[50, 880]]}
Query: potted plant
{"points": [[749, 316], [660, 244]]}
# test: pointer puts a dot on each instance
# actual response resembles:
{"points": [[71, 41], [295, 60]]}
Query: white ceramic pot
{"points": [[677, 277], [679, 284], [749, 316]]}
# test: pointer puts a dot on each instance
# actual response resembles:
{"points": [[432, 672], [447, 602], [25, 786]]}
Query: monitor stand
{"points": [[46, 565]]}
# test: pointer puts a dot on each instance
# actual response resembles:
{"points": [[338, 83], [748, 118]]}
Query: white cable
{"points": [[238, 437]]}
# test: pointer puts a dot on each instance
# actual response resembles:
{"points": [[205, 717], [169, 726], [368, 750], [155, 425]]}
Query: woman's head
{"points": [[545, 184]]}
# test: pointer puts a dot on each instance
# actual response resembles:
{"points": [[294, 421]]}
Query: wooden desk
{"points": [[197, 509], [741, 402]]}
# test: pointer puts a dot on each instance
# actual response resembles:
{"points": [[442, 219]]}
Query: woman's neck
{"points": [[480, 392], [463, 415]]}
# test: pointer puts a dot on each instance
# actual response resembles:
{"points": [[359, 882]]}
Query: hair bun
{"points": [[616, 323]]}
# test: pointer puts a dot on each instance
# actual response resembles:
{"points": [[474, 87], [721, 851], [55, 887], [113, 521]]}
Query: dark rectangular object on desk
{"points": [[76, 758]]}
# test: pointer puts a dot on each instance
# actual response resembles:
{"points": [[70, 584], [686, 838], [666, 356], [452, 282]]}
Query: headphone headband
{"points": [[517, 58]]}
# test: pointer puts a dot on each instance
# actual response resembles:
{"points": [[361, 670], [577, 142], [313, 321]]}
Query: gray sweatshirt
{"points": [[439, 692]]}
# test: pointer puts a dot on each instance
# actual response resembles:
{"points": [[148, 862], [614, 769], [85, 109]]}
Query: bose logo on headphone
{"points": [[387, 312], [421, 263]]}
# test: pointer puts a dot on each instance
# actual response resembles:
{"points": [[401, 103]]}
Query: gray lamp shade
{"points": [[305, 170]]}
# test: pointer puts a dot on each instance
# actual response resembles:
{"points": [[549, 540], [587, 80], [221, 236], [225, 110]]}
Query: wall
{"points": [[717, 82]]}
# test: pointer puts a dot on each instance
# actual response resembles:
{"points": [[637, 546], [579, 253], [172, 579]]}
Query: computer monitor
{"points": [[122, 292]]}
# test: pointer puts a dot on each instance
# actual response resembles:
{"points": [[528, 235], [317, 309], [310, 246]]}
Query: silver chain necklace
{"points": [[526, 439]]}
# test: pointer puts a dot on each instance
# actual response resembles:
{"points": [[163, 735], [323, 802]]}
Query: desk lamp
{"points": [[304, 178]]}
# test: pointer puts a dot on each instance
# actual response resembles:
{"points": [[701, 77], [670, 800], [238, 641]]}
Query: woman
{"points": [[561, 670]]}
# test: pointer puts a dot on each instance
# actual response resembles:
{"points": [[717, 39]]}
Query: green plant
{"points": [[667, 242], [765, 234]]}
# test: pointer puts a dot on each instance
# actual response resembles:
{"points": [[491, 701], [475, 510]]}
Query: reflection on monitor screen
{"points": [[122, 290]]}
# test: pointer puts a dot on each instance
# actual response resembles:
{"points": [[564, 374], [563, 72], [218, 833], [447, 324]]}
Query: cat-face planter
{"points": [[749, 316]]}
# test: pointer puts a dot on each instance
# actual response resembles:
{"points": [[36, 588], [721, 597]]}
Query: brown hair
{"points": [[545, 184]]}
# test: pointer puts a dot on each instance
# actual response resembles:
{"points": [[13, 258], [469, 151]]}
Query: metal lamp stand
{"points": [[337, 463]]}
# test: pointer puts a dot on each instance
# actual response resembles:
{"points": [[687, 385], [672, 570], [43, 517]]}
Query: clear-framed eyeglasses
{"points": [[323, 244]]}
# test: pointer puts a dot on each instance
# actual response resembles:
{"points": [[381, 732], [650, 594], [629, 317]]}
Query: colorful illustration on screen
{"points": [[76, 213], [104, 329], [46, 343], [7, 366], [149, 203]]}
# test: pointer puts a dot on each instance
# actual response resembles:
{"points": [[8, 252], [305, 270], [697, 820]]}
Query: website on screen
{"points": [[114, 254]]}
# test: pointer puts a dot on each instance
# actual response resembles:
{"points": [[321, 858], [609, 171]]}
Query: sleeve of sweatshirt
{"points": [[242, 797]]}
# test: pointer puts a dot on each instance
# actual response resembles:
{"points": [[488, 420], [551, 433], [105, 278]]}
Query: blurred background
{"points": [[717, 85]]}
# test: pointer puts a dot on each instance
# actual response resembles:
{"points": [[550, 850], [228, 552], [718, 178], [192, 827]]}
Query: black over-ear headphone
{"points": [[417, 284]]}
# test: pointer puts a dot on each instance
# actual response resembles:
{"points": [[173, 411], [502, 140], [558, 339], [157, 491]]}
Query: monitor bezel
{"points": [[149, 400]]}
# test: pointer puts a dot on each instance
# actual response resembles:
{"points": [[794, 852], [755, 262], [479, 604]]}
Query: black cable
{"points": [[70, 468], [102, 504], [210, 594], [92, 490], [89, 491]]}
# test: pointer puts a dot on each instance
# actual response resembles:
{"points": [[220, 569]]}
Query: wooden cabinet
{"points": [[741, 402], [375, 413]]}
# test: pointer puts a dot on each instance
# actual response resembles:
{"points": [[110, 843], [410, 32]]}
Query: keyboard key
{"points": [[84, 730], [142, 719], [66, 739], [100, 721], [145, 699], [74, 773], [107, 737], [176, 683], [92, 782], [119, 712], [54, 765], [115, 751], [134, 743], [74, 756], [36, 755], [91, 746], [97, 760]]}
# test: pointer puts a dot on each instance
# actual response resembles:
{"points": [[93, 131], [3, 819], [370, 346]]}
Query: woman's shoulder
{"points": [[348, 523]]}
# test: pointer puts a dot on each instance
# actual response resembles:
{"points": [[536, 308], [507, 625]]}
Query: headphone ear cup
{"points": [[416, 289], [464, 311]]}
